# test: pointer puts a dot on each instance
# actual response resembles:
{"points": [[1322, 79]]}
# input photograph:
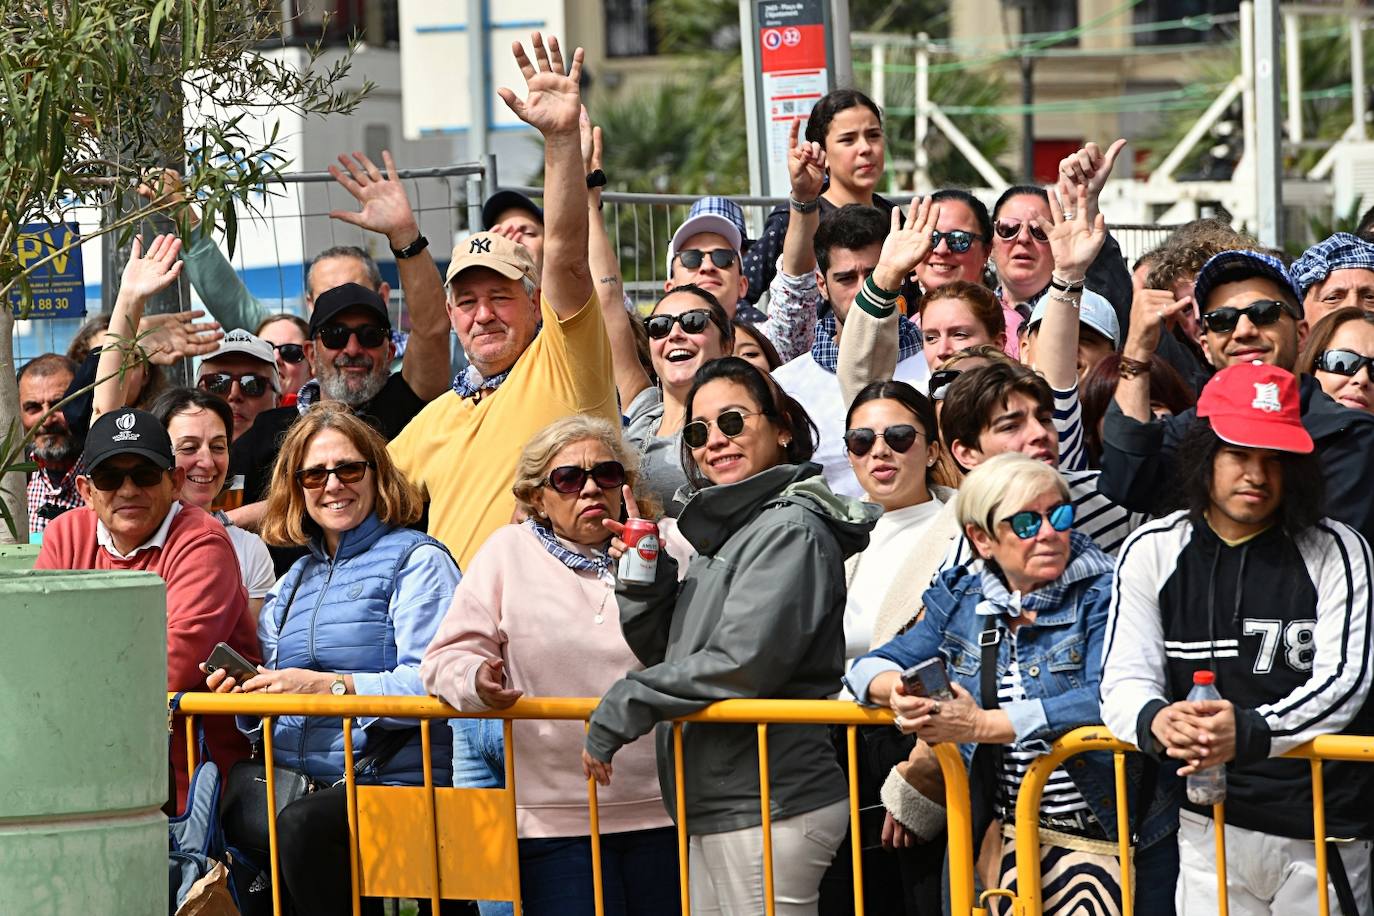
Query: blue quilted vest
{"points": [[332, 615]]}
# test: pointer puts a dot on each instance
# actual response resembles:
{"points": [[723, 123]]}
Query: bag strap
{"points": [[386, 747], [1335, 867], [989, 639], [290, 599]]}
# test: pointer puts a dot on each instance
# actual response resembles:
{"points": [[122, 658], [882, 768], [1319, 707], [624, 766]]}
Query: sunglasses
{"points": [[940, 380], [1009, 229], [860, 440], [1344, 362], [292, 353], [730, 423], [691, 258], [1261, 313], [143, 475], [348, 472], [693, 321], [569, 478], [1026, 525], [220, 383], [957, 240], [335, 336]]}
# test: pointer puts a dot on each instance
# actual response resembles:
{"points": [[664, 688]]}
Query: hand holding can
{"points": [[634, 543]]}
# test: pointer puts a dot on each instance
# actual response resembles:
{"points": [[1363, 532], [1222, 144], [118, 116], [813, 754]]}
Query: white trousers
{"points": [[1265, 874], [727, 868]]}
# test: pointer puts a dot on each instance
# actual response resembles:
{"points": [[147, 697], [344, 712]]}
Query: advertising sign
{"points": [[793, 73], [59, 286]]}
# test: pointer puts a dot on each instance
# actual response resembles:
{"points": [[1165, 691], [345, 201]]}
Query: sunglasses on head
{"points": [[335, 336], [1009, 229], [940, 380], [1026, 524], [1344, 362], [693, 321], [221, 383], [1261, 313], [107, 478], [348, 472], [290, 353], [730, 423], [900, 438], [957, 240], [691, 258], [569, 478]]}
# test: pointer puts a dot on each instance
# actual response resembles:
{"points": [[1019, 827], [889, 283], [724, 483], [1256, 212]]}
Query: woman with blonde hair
{"points": [[353, 616], [536, 614]]}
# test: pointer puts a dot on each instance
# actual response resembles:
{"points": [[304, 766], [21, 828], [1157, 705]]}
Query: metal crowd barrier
{"points": [[435, 842]]}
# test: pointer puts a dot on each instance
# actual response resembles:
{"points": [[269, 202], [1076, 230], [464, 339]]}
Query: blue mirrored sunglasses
{"points": [[1026, 524]]}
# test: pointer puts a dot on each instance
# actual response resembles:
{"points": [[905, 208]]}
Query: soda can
{"points": [[640, 559]]}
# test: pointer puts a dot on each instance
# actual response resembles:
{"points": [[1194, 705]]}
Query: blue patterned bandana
{"points": [[309, 394], [601, 564], [826, 352], [467, 383], [1085, 561]]}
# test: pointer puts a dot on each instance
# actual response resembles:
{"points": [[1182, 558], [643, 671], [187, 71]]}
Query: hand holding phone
{"points": [[928, 679], [232, 663]]}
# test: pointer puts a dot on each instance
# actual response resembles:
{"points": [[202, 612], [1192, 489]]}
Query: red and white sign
{"points": [[792, 72]]}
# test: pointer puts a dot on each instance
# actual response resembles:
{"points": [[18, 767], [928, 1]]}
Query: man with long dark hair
{"points": [[1250, 582]]}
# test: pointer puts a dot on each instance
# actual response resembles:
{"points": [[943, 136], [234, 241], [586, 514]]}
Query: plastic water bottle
{"points": [[1207, 786]]}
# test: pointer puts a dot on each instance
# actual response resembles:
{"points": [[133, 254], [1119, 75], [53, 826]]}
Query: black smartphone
{"points": [[928, 679], [225, 658]]}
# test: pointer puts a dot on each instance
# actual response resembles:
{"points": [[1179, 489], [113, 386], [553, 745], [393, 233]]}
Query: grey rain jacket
{"points": [[760, 614]]}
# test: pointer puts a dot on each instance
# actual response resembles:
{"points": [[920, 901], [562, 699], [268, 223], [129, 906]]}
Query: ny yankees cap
{"points": [[1256, 406], [494, 252], [127, 432], [340, 298]]}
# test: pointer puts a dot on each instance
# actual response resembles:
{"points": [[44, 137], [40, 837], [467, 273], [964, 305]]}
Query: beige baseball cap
{"points": [[494, 252]]}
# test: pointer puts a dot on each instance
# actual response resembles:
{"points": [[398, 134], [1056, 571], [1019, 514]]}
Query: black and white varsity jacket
{"points": [[1285, 624]]}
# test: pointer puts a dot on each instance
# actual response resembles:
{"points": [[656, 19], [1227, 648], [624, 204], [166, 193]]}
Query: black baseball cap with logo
{"points": [[340, 298], [127, 432]]}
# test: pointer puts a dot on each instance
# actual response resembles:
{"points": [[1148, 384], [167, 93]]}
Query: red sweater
{"points": [[206, 604]]}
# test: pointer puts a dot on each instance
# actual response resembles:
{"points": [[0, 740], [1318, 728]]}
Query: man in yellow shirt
{"points": [[537, 352]]}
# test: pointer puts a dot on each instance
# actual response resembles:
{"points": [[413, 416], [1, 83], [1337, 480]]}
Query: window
{"points": [[1040, 16], [1148, 12], [628, 30]]}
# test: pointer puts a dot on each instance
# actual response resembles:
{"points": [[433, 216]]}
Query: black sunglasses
{"points": [[220, 383], [1344, 362], [1261, 313], [730, 423], [335, 336], [900, 438], [107, 478], [1010, 228], [940, 380], [958, 240], [348, 472], [691, 258], [291, 353], [693, 321], [569, 478], [1026, 525]]}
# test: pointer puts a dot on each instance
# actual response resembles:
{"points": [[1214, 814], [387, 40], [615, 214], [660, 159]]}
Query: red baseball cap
{"points": [[1256, 406]]}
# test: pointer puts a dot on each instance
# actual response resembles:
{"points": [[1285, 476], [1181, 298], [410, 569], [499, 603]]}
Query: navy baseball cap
{"points": [[127, 432], [1233, 266], [502, 201]]}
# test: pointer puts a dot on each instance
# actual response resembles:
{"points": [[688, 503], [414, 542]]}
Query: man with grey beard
{"points": [[43, 382]]}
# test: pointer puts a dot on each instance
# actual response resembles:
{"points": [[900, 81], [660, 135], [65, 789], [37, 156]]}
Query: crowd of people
{"points": [[972, 436]]}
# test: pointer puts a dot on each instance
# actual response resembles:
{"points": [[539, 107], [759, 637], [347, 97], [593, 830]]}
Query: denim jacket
{"points": [[1060, 660]]}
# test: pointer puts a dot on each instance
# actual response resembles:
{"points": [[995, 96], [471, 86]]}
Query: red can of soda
{"points": [[640, 559]]}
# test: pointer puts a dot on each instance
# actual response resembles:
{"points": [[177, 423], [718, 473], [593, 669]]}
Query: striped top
{"points": [[1061, 795]]}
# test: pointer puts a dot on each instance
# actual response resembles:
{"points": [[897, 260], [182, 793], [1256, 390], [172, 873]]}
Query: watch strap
{"points": [[596, 179], [809, 206], [411, 250]]}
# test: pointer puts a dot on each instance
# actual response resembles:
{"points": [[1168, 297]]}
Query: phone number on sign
{"points": [[51, 303]]}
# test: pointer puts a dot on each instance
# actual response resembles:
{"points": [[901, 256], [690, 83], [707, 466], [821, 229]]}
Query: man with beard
{"points": [[52, 488]]}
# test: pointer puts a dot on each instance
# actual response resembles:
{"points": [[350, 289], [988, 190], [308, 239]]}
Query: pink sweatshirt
{"points": [[518, 603]]}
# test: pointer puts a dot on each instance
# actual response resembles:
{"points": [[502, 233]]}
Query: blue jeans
{"points": [[1156, 872], [479, 762], [639, 871]]}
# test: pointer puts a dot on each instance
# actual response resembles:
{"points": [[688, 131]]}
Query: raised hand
{"points": [[590, 136], [617, 529], [553, 99], [1076, 238], [386, 207], [805, 166], [1151, 311], [172, 336], [1090, 167], [907, 245], [165, 190], [148, 275]]}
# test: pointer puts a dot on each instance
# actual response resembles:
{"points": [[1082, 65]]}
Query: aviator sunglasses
{"points": [[348, 472], [957, 240], [1026, 524], [693, 321], [569, 478], [730, 423], [220, 383], [1261, 313], [691, 258], [1009, 229], [900, 438]]}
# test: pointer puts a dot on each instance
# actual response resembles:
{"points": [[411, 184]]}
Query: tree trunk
{"points": [[12, 485]]}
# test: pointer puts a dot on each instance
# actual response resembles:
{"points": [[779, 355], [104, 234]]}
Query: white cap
{"points": [[240, 341], [1093, 310]]}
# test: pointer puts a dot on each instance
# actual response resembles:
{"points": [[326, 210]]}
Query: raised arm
{"points": [[386, 210], [143, 277], [552, 105], [1074, 241]]}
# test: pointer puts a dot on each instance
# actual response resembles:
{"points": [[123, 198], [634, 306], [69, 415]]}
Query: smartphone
{"points": [[928, 679], [225, 658]]}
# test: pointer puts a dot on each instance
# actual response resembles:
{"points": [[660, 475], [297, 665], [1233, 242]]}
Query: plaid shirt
{"points": [[826, 352], [56, 498]]}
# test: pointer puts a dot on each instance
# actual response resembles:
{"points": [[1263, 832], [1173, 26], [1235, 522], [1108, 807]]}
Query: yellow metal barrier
{"points": [[1027, 900], [435, 842]]}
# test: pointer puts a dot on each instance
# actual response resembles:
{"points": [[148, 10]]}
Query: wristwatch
{"points": [[339, 687], [807, 206], [411, 250], [596, 179]]}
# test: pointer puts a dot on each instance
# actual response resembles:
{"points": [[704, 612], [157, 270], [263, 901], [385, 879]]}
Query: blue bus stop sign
{"points": [[59, 286]]}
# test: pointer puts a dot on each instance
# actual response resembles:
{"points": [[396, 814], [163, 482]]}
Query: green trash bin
{"points": [[83, 743], [17, 556]]}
